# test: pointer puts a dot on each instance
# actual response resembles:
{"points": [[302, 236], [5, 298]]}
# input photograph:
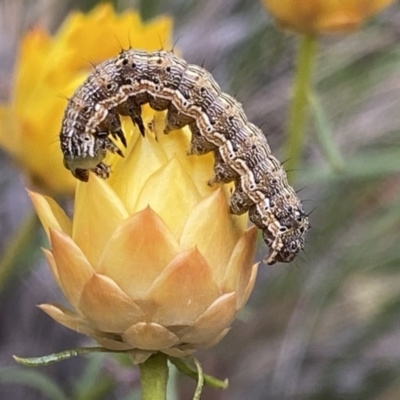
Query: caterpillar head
{"points": [[84, 152], [286, 237]]}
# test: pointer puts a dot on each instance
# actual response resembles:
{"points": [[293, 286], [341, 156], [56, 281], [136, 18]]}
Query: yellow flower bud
{"points": [[323, 16], [152, 260], [48, 69]]}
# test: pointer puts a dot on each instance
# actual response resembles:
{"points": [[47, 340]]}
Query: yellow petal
{"points": [[50, 214], [72, 266], [184, 290], [106, 306], [176, 145], [211, 228], [98, 212], [139, 249], [213, 321], [145, 158], [34, 47], [149, 336], [66, 317], [239, 268], [163, 189]]}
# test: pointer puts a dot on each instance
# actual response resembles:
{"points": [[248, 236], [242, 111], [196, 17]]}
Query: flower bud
{"points": [[313, 17], [152, 260]]}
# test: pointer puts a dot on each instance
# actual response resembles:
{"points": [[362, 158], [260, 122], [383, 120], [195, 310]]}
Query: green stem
{"points": [[154, 377], [209, 380], [324, 135], [200, 380], [16, 250], [299, 102], [44, 361]]}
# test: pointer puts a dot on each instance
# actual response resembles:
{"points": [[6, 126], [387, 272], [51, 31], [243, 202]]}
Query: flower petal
{"points": [[145, 158], [239, 269], [243, 292], [66, 317], [149, 336], [176, 145], [139, 249], [183, 291], [111, 344], [106, 306], [178, 353], [160, 192], [98, 212], [212, 229], [72, 266], [139, 356], [53, 265], [213, 321], [51, 215]]}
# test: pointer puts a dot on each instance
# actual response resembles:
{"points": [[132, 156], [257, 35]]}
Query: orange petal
{"points": [[213, 321], [149, 336], [239, 269], [139, 356], [178, 353], [53, 266], [243, 292], [112, 344], [211, 228], [184, 290], [139, 249], [72, 266], [171, 193], [50, 214], [98, 211], [106, 306], [66, 317]]}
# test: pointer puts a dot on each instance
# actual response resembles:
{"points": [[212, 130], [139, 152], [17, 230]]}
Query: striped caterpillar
{"points": [[189, 93]]}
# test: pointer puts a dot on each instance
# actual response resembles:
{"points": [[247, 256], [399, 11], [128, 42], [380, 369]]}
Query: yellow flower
{"points": [[323, 16], [49, 69], [152, 260]]}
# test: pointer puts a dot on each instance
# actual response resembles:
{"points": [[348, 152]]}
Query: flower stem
{"points": [[154, 377], [324, 135], [299, 102], [209, 380]]}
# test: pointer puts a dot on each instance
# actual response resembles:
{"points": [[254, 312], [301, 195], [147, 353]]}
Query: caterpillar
{"points": [[191, 96]]}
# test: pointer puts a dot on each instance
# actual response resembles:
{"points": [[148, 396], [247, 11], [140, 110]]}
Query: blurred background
{"points": [[326, 326]]}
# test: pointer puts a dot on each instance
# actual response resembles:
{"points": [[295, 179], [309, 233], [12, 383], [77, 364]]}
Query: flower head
{"points": [[152, 260], [323, 16], [49, 69]]}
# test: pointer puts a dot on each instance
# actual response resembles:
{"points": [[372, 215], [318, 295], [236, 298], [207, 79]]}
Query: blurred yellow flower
{"points": [[323, 16], [152, 260], [50, 68]]}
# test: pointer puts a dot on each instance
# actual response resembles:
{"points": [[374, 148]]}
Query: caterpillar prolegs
{"points": [[191, 96]]}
